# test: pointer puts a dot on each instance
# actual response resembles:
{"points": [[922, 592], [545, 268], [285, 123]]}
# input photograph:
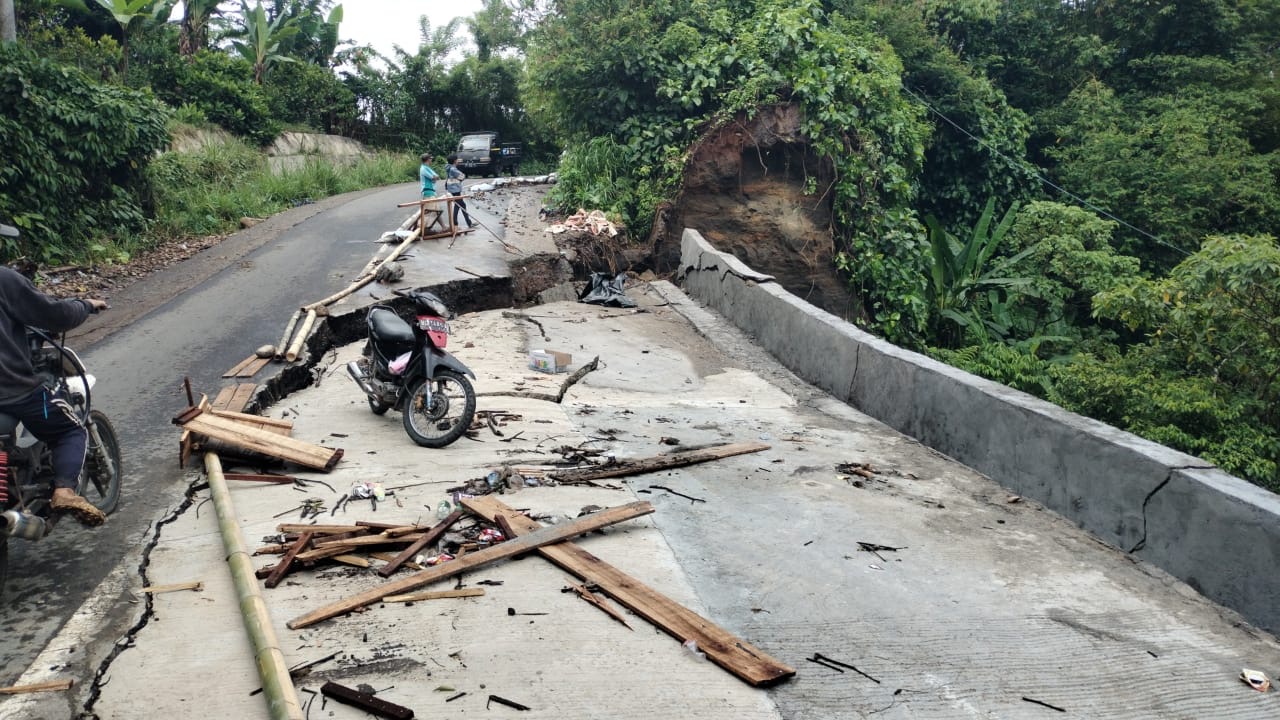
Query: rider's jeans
{"points": [[50, 418]]}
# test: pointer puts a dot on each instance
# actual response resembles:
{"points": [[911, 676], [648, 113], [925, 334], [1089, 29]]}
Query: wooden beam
{"points": [[175, 587], [320, 529], [37, 687], [366, 702], [747, 662], [654, 463], [427, 538], [503, 550], [252, 438], [435, 595]]}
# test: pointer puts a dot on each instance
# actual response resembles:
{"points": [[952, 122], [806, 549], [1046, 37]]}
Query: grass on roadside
{"points": [[207, 191]]}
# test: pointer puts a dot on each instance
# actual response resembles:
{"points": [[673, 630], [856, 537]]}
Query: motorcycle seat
{"points": [[385, 326]]}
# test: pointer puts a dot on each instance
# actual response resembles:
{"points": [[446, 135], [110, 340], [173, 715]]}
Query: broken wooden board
{"points": [[638, 466], [747, 662], [234, 398], [248, 367], [36, 687], [503, 550], [427, 538], [286, 563], [434, 595], [255, 439], [368, 703], [275, 425]]}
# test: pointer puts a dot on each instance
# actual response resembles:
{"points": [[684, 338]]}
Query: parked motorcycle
{"points": [[26, 468], [405, 367]]}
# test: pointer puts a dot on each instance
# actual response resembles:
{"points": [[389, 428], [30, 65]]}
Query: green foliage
{"points": [[653, 76], [74, 153], [97, 58], [1186, 412], [1179, 170], [309, 95], [222, 88], [1015, 366], [207, 191], [594, 175], [261, 38], [963, 272], [1065, 253]]}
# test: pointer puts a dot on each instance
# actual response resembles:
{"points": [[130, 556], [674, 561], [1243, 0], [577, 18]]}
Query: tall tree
{"points": [[194, 35]]}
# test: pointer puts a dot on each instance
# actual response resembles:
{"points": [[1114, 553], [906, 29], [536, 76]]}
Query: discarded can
{"points": [[490, 535], [437, 559], [493, 478]]}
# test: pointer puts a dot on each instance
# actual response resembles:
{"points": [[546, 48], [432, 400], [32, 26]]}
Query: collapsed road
{"points": [[893, 581]]}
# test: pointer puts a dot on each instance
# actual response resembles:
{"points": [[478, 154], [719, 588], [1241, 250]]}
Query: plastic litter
{"points": [[443, 509], [398, 365], [607, 290], [692, 647], [1255, 679]]}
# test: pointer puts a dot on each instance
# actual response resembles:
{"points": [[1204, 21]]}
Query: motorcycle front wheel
{"points": [[100, 481], [447, 416]]}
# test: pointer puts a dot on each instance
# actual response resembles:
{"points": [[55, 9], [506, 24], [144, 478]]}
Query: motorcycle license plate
{"points": [[433, 325]]}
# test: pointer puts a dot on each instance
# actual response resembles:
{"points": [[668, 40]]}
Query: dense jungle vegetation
{"points": [[1073, 197]]}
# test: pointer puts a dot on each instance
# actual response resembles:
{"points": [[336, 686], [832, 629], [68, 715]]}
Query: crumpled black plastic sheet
{"points": [[607, 290]]}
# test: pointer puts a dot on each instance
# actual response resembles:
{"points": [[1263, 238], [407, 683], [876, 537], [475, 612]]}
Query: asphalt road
{"points": [[196, 319]]}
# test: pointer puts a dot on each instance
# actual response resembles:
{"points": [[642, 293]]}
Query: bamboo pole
{"points": [[282, 698], [288, 333], [292, 353]]}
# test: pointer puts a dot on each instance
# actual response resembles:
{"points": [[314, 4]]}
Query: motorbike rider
{"points": [[22, 394]]}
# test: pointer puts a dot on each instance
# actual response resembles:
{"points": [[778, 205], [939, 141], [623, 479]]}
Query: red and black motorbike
{"points": [[405, 367]]}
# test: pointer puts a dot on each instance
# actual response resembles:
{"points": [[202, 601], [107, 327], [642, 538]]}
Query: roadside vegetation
{"points": [[1078, 199]]}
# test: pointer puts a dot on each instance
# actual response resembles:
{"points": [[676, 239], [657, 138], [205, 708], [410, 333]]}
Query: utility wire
{"points": [[1016, 164]]}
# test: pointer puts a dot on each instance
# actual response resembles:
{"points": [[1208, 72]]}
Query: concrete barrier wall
{"points": [[1214, 531]]}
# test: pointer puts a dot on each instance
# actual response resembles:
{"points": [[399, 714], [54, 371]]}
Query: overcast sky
{"points": [[383, 23]]}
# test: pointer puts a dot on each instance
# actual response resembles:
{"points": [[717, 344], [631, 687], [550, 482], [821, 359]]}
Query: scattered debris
{"points": [[876, 549], [434, 595], [196, 586], [836, 665], [365, 701], [587, 592], [1043, 704], [607, 290], [621, 468], [594, 222], [509, 703], [673, 492]]}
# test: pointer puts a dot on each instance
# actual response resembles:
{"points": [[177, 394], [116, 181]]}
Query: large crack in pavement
{"points": [[100, 678]]}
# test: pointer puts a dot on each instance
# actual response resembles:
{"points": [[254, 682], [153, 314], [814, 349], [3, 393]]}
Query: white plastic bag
{"points": [[398, 365]]}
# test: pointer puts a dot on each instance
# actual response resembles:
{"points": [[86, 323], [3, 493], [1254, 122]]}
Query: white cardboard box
{"points": [[549, 361]]}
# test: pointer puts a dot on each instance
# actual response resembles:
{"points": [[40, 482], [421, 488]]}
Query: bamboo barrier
{"points": [[296, 348], [277, 685]]}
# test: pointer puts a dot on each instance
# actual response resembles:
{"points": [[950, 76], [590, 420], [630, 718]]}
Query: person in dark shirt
{"points": [[453, 184], [22, 394]]}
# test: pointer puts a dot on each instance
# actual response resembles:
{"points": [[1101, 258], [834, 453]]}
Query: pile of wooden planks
{"points": [[209, 429]]}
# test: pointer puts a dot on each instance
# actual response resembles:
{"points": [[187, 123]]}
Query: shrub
{"points": [[222, 88]]}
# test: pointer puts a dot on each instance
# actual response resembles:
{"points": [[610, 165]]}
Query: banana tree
{"points": [[194, 35], [961, 274], [262, 38], [127, 14]]}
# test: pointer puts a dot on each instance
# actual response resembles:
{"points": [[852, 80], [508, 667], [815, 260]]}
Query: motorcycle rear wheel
{"points": [[100, 482], [4, 563], [453, 406]]}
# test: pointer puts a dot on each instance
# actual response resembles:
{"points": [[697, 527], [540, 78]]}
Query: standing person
{"points": [[428, 176], [47, 415], [453, 184]]}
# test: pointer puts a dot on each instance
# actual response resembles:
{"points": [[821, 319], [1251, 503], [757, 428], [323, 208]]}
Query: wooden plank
{"points": [[319, 529], [239, 366], [654, 463], [427, 538], [747, 662], [37, 687], [251, 438], [175, 587], [354, 560], [286, 562], [252, 368], [243, 396], [262, 420], [434, 595], [503, 550], [222, 400], [379, 539], [388, 557], [261, 477]]}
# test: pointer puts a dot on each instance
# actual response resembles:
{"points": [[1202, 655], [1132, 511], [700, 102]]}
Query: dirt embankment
{"points": [[754, 188]]}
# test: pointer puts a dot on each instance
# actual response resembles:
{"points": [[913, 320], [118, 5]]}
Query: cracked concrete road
{"points": [[986, 607]]}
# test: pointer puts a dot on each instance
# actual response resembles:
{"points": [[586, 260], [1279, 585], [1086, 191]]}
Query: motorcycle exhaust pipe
{"points": [[21, 525], [353, 369]]}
